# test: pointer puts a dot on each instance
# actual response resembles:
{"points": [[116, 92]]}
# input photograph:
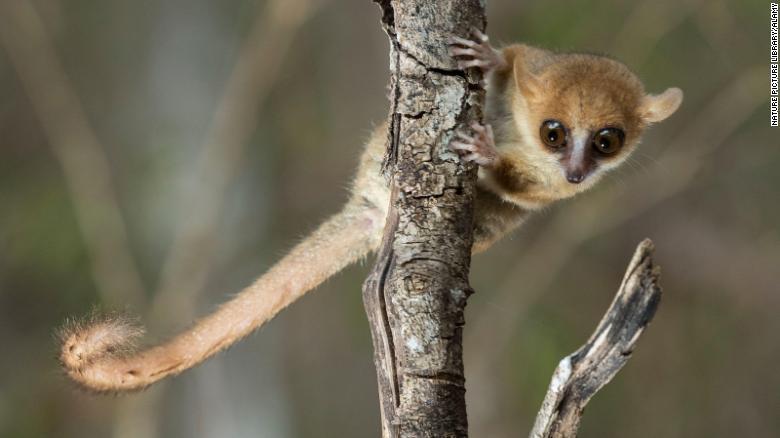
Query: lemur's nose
{"points": [[575, 176]]}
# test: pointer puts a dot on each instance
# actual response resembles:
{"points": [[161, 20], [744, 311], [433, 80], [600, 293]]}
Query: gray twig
{"points": [[85, 166], [580, 375]]}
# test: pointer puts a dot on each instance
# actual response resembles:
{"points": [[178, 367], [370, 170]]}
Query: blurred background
{"points": [[157, 156]]}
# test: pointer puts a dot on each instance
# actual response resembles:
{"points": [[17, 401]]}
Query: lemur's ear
{"points": [[657, 107], [527, 82]]}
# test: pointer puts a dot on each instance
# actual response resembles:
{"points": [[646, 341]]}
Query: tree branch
{"points": [[417, 292], [259, 63], [580, 375], [85, 166]]}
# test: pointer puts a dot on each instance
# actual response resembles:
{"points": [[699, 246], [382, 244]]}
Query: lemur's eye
{"points": [[553, 134], [608, 140]]}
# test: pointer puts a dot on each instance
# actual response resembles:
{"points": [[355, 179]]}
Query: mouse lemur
{"points": [[555, 123]]}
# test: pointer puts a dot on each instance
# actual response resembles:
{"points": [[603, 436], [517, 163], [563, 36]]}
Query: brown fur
{"points": [[585, 92], [589, 92], [507, 176]]}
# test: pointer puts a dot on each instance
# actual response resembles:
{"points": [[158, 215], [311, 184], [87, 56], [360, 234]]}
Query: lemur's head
{"points": [[586, 114]]}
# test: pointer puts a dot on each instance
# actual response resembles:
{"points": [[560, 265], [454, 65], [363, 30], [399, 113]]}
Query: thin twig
{"points": [[188, 263], [84, 164], [580, 375]]}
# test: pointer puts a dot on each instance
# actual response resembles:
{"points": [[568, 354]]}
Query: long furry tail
{"points": [[96, 353]]}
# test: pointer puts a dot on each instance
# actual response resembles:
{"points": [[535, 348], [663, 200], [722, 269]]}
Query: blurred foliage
{"points": [[150, 75]]}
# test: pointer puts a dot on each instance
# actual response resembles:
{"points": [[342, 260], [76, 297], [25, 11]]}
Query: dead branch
{"points": [[580, 375], [75, 145]]}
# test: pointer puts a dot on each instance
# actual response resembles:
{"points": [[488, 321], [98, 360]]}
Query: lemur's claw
{"points": [[479, 148], [480, 35]]}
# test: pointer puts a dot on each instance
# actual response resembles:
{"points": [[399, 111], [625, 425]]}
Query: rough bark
{"points": [[416, 294], [580, 375]]}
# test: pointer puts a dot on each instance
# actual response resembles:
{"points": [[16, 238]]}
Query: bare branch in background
{"points": [[580, 375], [84, 164], [189, 261]]}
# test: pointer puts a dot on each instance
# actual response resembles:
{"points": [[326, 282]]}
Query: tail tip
{"points": [[83, 341]]}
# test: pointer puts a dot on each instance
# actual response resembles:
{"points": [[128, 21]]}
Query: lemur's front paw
{"points": [[479, 148], [476, 52]]}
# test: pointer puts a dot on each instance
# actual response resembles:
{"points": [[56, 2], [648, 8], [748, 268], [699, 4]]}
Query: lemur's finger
{"points": [[465, 136], [480, 128], [473, 63], [477, 158], [458, 51], [459, 146], [463, 42]]}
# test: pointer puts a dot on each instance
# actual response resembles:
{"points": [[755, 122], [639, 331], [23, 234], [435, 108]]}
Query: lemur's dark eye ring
{"points": [[608, 140], [553, 134]]}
